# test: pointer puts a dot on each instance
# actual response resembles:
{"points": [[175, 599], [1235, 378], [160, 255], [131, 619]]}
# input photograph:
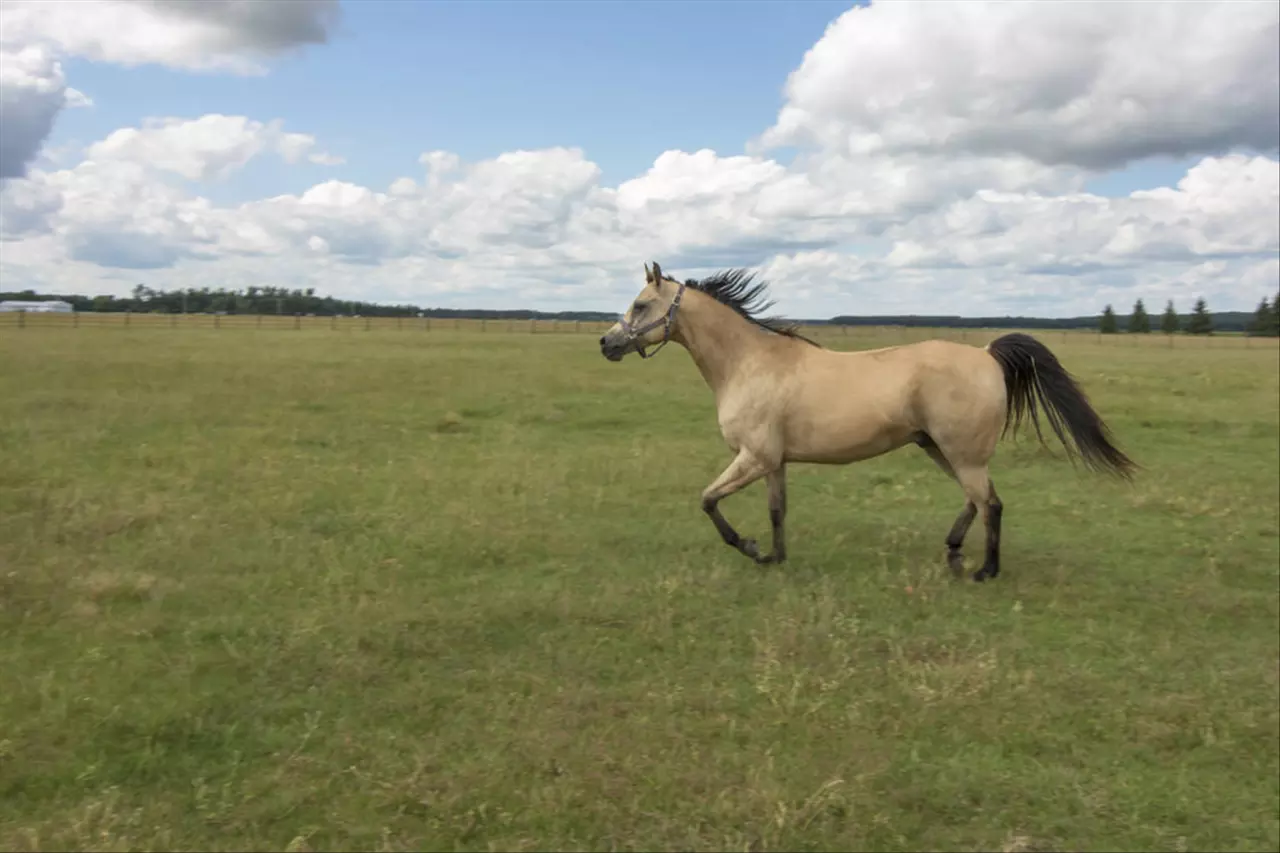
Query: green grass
{"points": [[335, 590]]}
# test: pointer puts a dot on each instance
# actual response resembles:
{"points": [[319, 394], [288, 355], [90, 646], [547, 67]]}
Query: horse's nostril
{"points": [[601, 340]]}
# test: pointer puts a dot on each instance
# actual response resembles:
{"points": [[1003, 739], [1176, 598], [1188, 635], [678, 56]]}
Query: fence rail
{"points": [[880, 335]]}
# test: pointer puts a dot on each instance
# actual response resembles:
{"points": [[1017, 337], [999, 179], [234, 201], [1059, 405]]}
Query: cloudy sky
{"points": [[940, 157]]}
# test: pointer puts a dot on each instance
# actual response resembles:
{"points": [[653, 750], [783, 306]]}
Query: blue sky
{"points": [[623, 81], [938, 171]]}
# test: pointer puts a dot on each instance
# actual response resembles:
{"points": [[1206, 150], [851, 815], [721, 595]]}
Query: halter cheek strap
{"points": [[666, 320]]}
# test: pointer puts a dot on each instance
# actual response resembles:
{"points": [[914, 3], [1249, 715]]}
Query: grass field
{"points": [[312, 590]]}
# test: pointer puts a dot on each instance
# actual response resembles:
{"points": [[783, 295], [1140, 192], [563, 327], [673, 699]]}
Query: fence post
{"points": [[533, 326], [126, 318], [297, 321], [75, 319], [22, 317], [173, 321], [427, 327], [217, 321], [259, 319]]}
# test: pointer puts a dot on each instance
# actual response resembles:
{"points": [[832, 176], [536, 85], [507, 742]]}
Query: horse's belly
{"points": [[844, 446]]}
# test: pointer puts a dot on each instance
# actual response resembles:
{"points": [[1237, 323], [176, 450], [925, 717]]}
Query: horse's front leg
{"points": [[744, 470], [777, 480]]}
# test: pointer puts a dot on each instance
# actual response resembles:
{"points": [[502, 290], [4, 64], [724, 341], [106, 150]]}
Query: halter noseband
{"points": [[633, 334]]}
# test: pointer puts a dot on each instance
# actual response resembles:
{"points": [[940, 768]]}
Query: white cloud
{"points": [[32, 92], [210, 147], [537, 225], [322, 158], [77, 100], [1224, 207], [237, 36], [1082, 83]]}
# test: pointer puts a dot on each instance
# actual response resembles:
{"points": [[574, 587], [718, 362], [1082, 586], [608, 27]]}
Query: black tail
{"points": [[1032, 374]]}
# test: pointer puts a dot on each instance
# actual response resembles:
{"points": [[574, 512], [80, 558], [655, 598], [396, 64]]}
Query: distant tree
{"points": [[1261, 321], [1108, 323], [1266, 321], [1139, 322], [1169, 320], [1200, 323]]}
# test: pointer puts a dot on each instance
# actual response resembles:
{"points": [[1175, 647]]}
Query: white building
{"points": [[42, 307]]}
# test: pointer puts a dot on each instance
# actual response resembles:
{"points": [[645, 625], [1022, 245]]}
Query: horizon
{"points": [[27, 295], [866, 159]]}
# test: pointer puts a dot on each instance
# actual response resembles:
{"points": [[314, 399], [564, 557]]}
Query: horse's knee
{"points": [[709, 504]]}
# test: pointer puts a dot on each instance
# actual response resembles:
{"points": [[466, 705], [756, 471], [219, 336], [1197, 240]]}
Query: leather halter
{"points": [[666, 320]]}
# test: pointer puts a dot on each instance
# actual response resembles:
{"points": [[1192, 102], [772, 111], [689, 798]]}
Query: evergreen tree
{"points": [[1139, 322], [1108, 323], [1266, 322], [1261, 323], [1169, 321], [1200, 323]]}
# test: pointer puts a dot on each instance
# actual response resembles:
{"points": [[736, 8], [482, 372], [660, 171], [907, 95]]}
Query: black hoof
{"points": [[750, 548], [955, 562], [983, 574], [769, 560]]}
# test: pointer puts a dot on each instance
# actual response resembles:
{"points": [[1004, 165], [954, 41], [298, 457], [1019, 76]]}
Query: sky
{"points": [[901, 157]]}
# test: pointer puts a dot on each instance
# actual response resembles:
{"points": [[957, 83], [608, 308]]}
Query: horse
{"points": [[782, 398]]}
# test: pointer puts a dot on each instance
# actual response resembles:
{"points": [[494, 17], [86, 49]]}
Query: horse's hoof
{"points": [[750, 548], [983, 574], [955, 562]]}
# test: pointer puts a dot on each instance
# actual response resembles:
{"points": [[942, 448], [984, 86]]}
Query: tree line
{"points": [[1265, 321], [279, 300]]}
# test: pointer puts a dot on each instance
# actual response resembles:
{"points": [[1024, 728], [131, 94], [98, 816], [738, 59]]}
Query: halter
{"points": [[633, 334]]}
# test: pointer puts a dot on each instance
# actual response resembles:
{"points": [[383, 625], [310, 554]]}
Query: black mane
{"points": [[735, 288]]}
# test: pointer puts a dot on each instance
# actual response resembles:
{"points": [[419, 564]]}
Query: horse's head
{"points": [[649, 319]]}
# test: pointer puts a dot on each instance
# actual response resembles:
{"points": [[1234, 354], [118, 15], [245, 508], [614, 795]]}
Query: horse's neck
{"points": [[718, 340]]}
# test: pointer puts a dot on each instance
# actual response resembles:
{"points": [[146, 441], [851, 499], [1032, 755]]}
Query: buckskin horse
{"points": [[782, 398]]}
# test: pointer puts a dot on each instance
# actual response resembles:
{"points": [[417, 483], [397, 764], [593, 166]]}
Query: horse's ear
{"points": [[648, 274], [657, 273]]}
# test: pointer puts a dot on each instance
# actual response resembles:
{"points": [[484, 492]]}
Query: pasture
{"points": [[318, 589]]}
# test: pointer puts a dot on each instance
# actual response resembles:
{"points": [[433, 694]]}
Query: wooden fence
{"points": [[14, 322]]}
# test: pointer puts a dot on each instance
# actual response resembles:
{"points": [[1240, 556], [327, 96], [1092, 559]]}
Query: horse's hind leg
{"points": [[981, 492], [955, 538]]}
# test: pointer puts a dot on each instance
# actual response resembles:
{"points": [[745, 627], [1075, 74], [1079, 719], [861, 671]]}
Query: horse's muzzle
{"points": [[613, 350]]}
